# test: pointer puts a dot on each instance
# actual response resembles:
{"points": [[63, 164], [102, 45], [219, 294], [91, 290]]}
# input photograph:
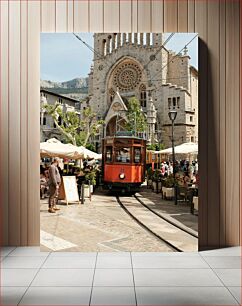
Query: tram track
{"points": [[190, 232], [174, 236], [174, 248]]}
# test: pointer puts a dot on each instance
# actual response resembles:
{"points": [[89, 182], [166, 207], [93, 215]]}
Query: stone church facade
{"points": [[129, 64]]}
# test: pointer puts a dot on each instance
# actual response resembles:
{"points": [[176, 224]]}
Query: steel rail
{"points": [[166, 219], [147, 228]]}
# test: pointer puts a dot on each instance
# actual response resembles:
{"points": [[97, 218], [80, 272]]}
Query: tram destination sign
{"points": [[125, 133]]}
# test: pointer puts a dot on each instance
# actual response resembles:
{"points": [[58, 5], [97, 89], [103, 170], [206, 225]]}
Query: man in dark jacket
{"points": [[54, 183]]}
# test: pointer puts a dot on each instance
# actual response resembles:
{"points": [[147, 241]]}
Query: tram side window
{"points": [[122, 155], [109, 154], [137, 155]]}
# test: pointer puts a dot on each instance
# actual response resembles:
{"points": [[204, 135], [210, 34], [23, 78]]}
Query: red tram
{"points": [[123, 163]]}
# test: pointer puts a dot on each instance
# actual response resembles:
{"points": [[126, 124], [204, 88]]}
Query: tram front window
{"points": [[109, 154], [137, 155], [123, 155]]}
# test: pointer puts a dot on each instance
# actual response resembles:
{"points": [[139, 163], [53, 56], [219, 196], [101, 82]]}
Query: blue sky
{"points": [[63, 57]]}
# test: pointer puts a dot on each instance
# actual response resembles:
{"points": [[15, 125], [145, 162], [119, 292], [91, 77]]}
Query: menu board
{"points": [[70, 188]]}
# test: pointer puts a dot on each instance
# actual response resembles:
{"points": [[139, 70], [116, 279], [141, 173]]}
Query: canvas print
{"points": [[119, 163]]}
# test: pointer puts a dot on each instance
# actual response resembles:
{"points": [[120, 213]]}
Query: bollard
{"points": [[89, 190], [82, 193], [176, 194]]}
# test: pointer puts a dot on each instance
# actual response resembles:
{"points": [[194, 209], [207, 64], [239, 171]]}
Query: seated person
{"points": [[43, 186], [180, 178], [186, 179]]}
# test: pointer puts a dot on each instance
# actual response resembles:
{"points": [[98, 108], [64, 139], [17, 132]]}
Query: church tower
{"points": [[134, 65]]}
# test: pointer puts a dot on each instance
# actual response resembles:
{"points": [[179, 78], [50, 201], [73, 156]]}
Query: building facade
{"points": [[48, 128], [137, 65]]}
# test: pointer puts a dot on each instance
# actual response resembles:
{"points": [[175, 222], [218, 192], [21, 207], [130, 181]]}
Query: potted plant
{"points": [[90, 178], [157, 180], [168, 187], [149, 177]]}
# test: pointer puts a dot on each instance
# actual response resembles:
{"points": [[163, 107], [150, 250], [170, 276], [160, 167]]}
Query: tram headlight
{"points": [[121, 176]]}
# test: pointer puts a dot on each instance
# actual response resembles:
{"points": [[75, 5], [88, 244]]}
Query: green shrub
{"points": [[157, 175], [169, 181], [150, 173], [91, 177]]}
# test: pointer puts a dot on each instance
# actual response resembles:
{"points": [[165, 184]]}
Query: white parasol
{"points": [[55, 148], [185, 148]]}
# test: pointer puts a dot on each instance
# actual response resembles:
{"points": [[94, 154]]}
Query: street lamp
{"points": [[104, 129], [172, 115], [43, 103]]}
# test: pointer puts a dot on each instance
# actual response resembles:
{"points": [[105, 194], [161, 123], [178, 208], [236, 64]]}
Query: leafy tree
{"points": [[136, 120], [156, 147], [77, 129], [91, 146]]}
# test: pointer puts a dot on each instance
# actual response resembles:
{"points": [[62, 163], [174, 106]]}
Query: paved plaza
{"points": [[101, 225]]}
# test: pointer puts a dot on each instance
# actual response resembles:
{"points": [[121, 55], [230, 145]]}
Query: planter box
{"points": [[149, 183], [155, 186], [168, 193], [86, 191], [195, 202]]}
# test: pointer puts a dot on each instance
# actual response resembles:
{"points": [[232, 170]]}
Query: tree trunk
{"points": [[69, 137]]}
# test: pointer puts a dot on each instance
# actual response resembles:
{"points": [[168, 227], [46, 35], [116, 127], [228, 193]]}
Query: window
{"points": [[122, 155], [192, 139], [59, 120], [174, 102], [143, 95], [178, 102], [169, 103], [109, 154], [110, 43], [153, 157], [104, 47], [44, 121], [143, 98], [137, 155], [77, 105], [191, 118]]}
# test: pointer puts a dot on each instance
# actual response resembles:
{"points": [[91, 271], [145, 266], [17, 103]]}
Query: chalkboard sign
{"points": [[70, 189]]}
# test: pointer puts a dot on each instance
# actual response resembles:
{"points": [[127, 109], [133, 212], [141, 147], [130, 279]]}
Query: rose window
{"points": [[127, 76]]}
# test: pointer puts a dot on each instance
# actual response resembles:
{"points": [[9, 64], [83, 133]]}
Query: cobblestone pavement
{"points": [[98, 225]]}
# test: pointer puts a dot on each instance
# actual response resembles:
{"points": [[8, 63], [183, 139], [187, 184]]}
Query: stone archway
{"points": [[112, 125]]}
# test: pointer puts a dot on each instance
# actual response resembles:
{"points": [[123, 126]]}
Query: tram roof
{"points": [[124, 136]]}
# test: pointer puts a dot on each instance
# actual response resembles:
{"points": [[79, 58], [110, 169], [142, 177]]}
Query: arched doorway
{"points": [[113, 125]]}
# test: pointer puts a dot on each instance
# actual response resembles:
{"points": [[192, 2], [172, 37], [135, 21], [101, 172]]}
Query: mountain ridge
{"points": [[73, 83], [76, 88]]}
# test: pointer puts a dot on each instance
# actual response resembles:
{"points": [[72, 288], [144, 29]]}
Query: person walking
{"points": [[54, 183]]}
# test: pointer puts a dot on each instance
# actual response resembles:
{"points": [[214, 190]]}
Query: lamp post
{"points": [[158, 148], [43, 103], [151, 119], [104, 129], [172, 115]]}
